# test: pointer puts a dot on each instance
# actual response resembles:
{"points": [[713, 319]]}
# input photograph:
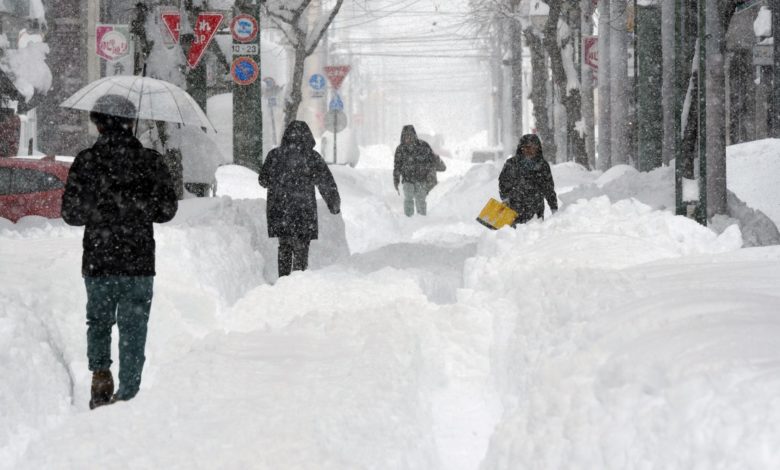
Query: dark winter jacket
{"points": [[290, 173], [415, 161], [117, 189], [525, 184]]}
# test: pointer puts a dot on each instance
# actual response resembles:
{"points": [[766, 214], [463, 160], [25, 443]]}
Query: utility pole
{"points": [[605, 126], [517, 75], [649, 79], [678, 82], [776, 70], [586, 12], [701, 213], [247, 97], [619, 90]]}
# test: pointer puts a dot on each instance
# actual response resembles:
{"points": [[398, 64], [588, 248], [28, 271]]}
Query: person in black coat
{"points": [[291, 172], [117, 189], [526, 181], [415, 165]]}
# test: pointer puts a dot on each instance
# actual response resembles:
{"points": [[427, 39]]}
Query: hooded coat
{"points": [[117, 189], [525, 183], [291, 172], [415, 162]]}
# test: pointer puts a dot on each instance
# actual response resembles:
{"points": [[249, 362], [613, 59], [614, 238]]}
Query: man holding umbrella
{"points": [[117, 189]]}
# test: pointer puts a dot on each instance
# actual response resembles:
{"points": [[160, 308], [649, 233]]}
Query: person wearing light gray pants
{"points": [[414, 195], [415, 165]]}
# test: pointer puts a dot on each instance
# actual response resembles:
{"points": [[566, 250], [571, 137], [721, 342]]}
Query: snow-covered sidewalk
{"points": [[609, 336]]}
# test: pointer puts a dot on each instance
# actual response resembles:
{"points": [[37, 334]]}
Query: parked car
{"points": [[32, 187]]}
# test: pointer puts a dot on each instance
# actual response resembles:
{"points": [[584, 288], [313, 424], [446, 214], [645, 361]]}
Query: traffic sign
{"points": [[317, 82], [335, 120], [112, 41], [591, 51], [336, 103], [336, 74], [205, 27], [246, 49], [172, 21], [244, 28], [244, 70]]}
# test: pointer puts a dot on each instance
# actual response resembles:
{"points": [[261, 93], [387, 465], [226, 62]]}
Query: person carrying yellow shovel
{"points": [[523, 185]]}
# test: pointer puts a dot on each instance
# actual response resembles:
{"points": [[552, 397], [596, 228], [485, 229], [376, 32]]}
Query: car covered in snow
{"points": [[30, 186]]}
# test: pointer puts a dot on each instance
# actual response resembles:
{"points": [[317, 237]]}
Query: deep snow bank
{"points": [[209, 256], [656, 188], [629, 338]]}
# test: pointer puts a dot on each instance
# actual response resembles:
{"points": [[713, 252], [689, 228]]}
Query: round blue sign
{"points": [[244, 70], [317, 82]]}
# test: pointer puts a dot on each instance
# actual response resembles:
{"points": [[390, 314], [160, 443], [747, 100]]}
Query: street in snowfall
{"points": [[389, 234]]}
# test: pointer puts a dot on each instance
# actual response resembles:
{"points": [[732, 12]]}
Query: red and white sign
{"points": [[590, 51], [244, 28], [336, 74], [113, 41], [205, 28], [244, 70], [172, 20]]}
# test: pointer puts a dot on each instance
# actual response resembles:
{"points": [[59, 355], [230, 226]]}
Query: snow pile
{"points": [[27, 68], [752, 175], [612, 335], [629, 338], [750, 167], [762, 25], [376, 156], [208, 257]]}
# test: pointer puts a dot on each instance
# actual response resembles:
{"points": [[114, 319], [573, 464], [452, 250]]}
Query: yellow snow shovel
{"points": [[496, 215]]}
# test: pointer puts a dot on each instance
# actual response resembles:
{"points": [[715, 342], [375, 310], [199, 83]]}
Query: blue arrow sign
{"points": [[317, 82], [336, 104]]}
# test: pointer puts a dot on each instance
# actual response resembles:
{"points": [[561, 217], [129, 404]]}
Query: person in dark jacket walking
{"points": [[526, 181], [117, 189], [415, 165], [291, 172]]}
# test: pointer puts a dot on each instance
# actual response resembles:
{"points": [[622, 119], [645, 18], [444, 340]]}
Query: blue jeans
{"points": [[126, 301], [414, 195]]}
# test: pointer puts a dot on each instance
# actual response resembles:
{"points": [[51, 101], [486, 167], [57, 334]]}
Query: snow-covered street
{"points": [[611, 335]]}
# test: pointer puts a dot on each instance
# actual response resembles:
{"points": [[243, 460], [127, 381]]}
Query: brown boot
{"points": [[102, 388]]}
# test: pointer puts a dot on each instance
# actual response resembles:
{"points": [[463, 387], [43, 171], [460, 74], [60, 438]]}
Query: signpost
{"points": [[206, 26], [247, 89], [336, 119]]}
